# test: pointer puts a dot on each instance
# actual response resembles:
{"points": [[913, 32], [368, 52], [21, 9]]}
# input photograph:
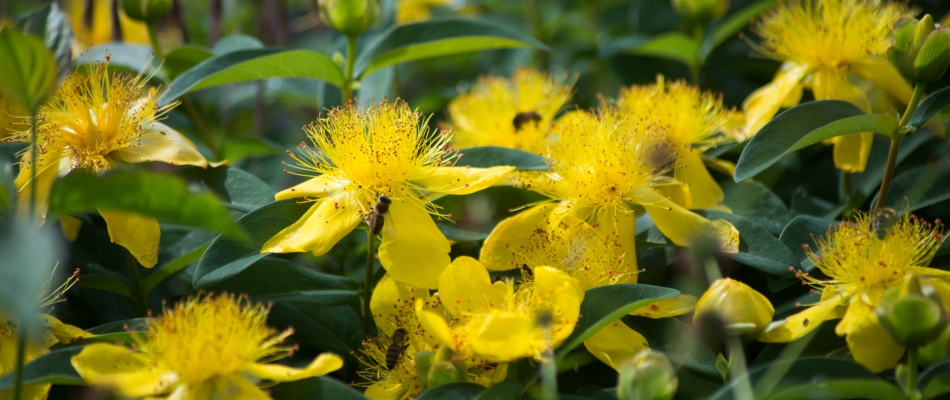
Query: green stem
{"points": [[20, 358], [138, 295], [912, 366], [348, 73], [156, 46], [533, 17], [738, 370], [368, 283], [896, 136]]}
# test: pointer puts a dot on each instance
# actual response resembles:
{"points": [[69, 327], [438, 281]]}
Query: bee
{"points": [[376, 219], [521, 118], [882, 221], [662, 158], [397, 347]]}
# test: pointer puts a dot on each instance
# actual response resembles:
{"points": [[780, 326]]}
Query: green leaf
{"points": [[493, 156], [453, 391], [27, 67], [502, 391], [53, 367], [239, 149], [673, 46], [337, 329], [733, 23], [239, 189], [437, 37], [929, 107], [803, 230], [842, 389], [321, 387], [128, 57], [162, 196], [678, 340], [935, 380], [51, 24], [231, 257], [606, 304], [115, 332], [622, 44], [236, 42], [281, 280], [816, 371], [458, 235], [183, 58], [159, 274], [28, 256], [919, 187], [757, 247], [252, 65], [805, 125], [870, 180], [107, 283], [756, 202]]}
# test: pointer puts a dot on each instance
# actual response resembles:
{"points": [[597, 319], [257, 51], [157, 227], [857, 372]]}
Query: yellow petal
{"points": [[321, 227], [566, 293], [233, 387], [615, 343], [414, 251], [65, 333], [665, 308], [70, 226], [681, 225], [51, 166], [161, 143], [315, 187], [765, 102], [860, 312], [435, 326], [724, 167], [465, 287], [121, 369], [800, 324], [620, 229], [504, 337], [386, 391], [851, 151], [887, 77], [322, 365], [459, 180], [389, 300], [512, 233], [872, 347], [702, 191], [138, 233]]}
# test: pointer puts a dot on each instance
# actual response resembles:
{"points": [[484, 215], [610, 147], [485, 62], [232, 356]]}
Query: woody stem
{"points": [[896, 138]]}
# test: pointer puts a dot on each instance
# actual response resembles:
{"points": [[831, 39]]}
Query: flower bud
{"points": [[934, 57], [921, 31], [647, 376], [701, 11], [424, 361], [745, 311], [146, 10], [442, 373], [350, 17], [912, 315]]}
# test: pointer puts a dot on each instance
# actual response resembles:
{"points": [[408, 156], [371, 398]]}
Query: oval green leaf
{"points": [[51, 24], [438, 37], [275, 280], [919, 187], [929, 107], [453, 391], [805, 370], [128, 57], [673, 46], [162, 196], [53, 367], [757, 247], [239, 189], [756, 202], [935, 380], [321, 387], [606, 304], [493, 156], [842, 389], [805, 125], [733, 23], [27, 67], [252, 65]]}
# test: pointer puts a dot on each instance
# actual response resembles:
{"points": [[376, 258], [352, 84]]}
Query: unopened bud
{"points": [[424, 361], [701, 11], [147, 11], [442, 373], [744, 311], [350, 17], [913, 315], [647, 376]]}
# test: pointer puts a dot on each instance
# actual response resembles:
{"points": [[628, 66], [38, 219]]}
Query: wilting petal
{"points": [[465, 287], [872, 347], [511, 234], [459, 180], [391, 300], [702, 190], [681, 225], [504, 337], [435, 326], [887, 77], [763, 103], [414, 251], [234, 387], [321, 227], [620, 229], [121, 369], [138, 233], [665, 308], [70, 226], [322, 365], [386, 391], [51, 166], [161, 143], [316, 187], [615, 343], [800, 324], [66, 334]]}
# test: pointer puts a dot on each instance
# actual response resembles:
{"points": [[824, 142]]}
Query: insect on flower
{"points": [[397, 347]]}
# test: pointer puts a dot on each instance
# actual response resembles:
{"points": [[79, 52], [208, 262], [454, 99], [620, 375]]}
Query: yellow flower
{"points": [[94, 121], [826, 46], [92, 24], [496, 321], [51, 331], [409, 11], [11, 114], [743, 309], [208, 347], [360, 155], [515, 113], [692, 121], [392, 306], [602, 165], [860, 268]]}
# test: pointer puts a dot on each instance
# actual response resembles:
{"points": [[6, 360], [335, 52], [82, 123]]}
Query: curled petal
{"points": [[435, 326], [414, 251], [800, 324], [459, 180], [322, 365], [123, 370], [140, 234], [665, 308], [321, 227], [161, 143], [702, 191], [615, 343], [65, 333], [465, 287], [765, 102], [316, 187], [682, 225]]}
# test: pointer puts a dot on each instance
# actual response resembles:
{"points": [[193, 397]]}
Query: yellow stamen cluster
{"points": [[830, 33], [853, 257], [205, 337], [374, 151], [93, 114]]}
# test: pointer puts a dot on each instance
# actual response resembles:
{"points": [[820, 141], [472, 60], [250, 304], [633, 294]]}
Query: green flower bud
{"points": [[744, 311], [902, 36], [146, 10], [442, 373], [424, 361], [647, 376], [444, 354], [911, 315], [898, 59], [922, 30], [934, 57], [462, 370], [701, 11], [350, 17]]}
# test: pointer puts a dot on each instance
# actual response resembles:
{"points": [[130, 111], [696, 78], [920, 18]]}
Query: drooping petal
{"points": [[702, 190], [65, 333], [51, 166], [316, 187], [765, 102], [681, 225], [504, 337], [458, 180], [389, 301], [121, 369], [321, 227], [435, 326], [887, 77], [872, 347], [70, 226], [620, 229], [851, 151], [800, 324], [414, 251], [498, 251], [465, 287], [161, 143], [665, 308], [322, 365], [615, 343], [140, 234], [234, 387]]}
